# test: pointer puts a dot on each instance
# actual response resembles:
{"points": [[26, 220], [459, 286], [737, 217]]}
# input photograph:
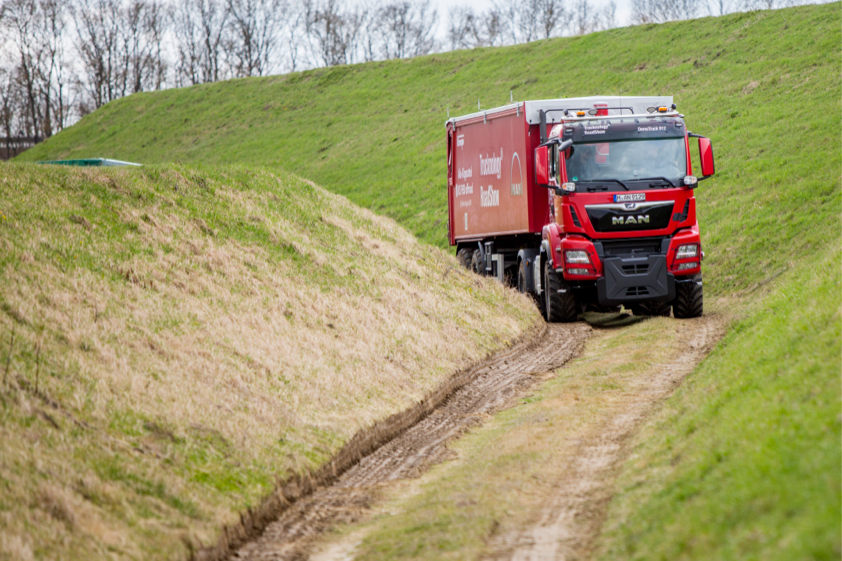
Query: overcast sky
{"points": [[442, 7]]}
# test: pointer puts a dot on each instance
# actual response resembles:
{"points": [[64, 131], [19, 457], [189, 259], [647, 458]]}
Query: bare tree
{"points": [[550, 15], [521, 24], [468, 29], [333, 31], [405, 29], [582, 18], [252, 38], [659, 11], [98, 44], [292, 35], [22, 18], [199, 27]]}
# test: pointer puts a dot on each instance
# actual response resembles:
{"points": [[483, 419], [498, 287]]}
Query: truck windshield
{"points": [[628, 160]]}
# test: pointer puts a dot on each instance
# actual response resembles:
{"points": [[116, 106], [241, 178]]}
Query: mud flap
{"points": [[635, 279]]}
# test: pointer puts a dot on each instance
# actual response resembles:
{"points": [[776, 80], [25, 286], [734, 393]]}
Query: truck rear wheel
{"points": [[688, 298], [559, 304], [477, 265], [464, 256]]}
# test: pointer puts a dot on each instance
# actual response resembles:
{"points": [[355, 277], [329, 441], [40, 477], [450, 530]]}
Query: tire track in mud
{"points": [[571, 519], [493, 385]]}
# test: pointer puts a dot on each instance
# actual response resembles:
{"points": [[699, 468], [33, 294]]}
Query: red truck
{"points": [[584, 203]]}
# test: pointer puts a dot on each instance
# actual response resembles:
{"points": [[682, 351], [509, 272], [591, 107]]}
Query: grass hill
{"points": [[760, 84], [175, 339], [747, 446]]}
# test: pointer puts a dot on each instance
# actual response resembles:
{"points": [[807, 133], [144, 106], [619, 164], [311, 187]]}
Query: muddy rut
{"points": [[492, 386], [571, 519]]}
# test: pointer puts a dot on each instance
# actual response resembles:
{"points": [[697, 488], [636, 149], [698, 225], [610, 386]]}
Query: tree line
{"points": [[62, 59]]}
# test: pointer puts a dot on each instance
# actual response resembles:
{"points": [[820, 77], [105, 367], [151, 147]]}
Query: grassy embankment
{"points": [[763, 85], [743, 461], [180, 338]]}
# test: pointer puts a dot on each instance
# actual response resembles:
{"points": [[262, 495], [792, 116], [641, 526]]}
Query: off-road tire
{"points": [[523, 289], [477, 265], [558, 306], [464, 256], [688, 298], [661, 309]]}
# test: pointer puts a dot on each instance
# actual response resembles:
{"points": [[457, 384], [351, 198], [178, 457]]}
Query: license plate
{"points": [[630, 198]]}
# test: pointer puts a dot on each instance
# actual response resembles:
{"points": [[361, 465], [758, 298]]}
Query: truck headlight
{"points": [[576, 256], [686, 266], [687, 251], [578, 272]]}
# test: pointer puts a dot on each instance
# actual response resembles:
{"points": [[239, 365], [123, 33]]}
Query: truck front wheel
{"points": [[559, 304], [688, 298]]}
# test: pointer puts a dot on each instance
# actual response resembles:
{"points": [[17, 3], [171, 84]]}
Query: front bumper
{"points": [[635, 279]]}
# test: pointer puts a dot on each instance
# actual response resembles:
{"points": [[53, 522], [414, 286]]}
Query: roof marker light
{"points": [[662, 109], [580, 113]]}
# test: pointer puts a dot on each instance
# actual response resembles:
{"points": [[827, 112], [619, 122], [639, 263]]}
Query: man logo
{"points": [[625, 220], [517, 176]]}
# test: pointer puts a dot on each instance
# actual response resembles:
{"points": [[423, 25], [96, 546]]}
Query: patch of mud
{"points": [[491, 387], [571, 519]]}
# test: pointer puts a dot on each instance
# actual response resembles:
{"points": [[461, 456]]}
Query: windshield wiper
{"points": [[626, 187], [662, 178]]}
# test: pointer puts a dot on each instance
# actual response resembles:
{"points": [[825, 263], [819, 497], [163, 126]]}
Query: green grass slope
{"points": [[175, 339], [761, 84], [761, 415]]}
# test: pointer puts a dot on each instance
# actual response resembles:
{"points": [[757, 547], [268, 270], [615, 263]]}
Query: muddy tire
{"points": [[521, 277], [464, 256], [523, 289], [559, 303], [688, 298], [661, 309], [477, 265]]}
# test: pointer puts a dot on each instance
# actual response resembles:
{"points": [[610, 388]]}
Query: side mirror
{"points": [[542, 166], [706, 156]]}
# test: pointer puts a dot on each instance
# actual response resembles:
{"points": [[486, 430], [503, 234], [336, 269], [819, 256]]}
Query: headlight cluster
{"points": [[577, 256], [687, 251]]}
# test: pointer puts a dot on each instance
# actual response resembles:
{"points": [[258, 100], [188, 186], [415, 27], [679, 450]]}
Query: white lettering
{"points": [[492, 165], [489, 198], [460, 140], [652, 129], [464, 189], [465, 173]]}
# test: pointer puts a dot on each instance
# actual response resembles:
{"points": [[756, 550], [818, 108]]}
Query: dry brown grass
{"points": [[203, 332]]}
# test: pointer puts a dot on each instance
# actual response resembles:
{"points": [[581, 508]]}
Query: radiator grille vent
{"points": [[637, 269], [637, 291]]}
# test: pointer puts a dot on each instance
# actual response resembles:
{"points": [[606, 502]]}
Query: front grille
{"points": [[638, 269], [624, 248], [609, 219], [637, 291]]}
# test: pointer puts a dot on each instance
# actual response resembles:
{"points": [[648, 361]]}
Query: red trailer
{"points": [[582, 202]]}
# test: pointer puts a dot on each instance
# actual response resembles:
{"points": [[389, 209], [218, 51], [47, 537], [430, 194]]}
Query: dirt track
{"points": [[494, 385], [571, 519]]}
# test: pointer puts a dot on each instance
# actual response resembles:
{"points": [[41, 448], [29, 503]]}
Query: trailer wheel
{"points": [[559, 303], [661, 309], [464, 256], [688, 298], [477, 265], [523, 288]]}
